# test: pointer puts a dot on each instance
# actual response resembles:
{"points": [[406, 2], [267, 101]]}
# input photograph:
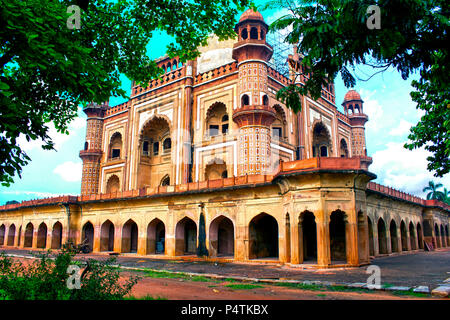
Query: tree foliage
{"points": [[334, 37], [47, 69], [46, 279], [434, 193]]}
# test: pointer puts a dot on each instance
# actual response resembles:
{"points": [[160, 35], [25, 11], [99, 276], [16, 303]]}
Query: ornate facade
{"points": [[210, 138]]}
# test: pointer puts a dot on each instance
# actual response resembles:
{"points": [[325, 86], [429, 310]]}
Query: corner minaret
{"points": [[254, 115], [353, 107], [92, 153]]}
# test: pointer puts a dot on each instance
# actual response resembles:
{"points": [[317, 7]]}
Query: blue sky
{"points": [[386, 101]]}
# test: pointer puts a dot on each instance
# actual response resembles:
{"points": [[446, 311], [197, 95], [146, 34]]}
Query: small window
{"points": [[262, 34], [213, 130], [244, 34], [225, 128], [115, 153], [86, 145], [245, 100], [276, 133], [156, 148], [225, 174], [165, 181], [253, 33], [225, 118], [167, 145], [265, 100], [323, 151], [145, 148]]}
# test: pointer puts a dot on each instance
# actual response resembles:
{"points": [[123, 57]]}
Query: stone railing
{"points": [[278, 76], [41, 202], [342, 116], [164, 79], [406, 196], [116, 109], [216, 73]]}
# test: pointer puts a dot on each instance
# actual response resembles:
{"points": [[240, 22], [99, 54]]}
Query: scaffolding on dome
{"points": [[281, 50]]}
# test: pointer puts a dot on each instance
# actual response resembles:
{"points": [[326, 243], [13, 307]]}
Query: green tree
{"points": [[446, 196], [48, 69], [434, 192], [334, 37]]}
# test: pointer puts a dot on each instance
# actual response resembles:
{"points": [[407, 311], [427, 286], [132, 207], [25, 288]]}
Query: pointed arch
{"points": [[57, 232], [11, 235], [221, 236], [307, 237], [87, 235], [42, 236], [394, 236], [130, 234], [113, 184], [263, 237], [186, 236], [107, 235], [156, 237], [412, 236], [321, 142], [338, 249], [28, 237]]}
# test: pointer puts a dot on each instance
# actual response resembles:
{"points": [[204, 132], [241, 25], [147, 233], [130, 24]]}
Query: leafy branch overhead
{"points": [[47, 69], [333, 37]]}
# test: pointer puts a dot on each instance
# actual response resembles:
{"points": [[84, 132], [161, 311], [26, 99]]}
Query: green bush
{"points": [[46, 279]]}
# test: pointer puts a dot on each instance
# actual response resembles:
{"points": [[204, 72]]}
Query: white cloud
{"points": [[402, 128], [373, 109], [77, 125], [404, 169], [69, 171]]}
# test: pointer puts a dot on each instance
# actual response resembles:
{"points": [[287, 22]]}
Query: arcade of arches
{"points": [[319, 224]]}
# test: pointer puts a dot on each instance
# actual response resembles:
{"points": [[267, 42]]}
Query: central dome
{"points": [[250, 14]]}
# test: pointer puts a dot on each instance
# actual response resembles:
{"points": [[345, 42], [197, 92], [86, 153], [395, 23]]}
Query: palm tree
{"points": [[446, 197], [434, 192]]}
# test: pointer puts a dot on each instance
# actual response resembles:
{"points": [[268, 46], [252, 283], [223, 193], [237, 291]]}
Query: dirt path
{"points": [[179, 289]]}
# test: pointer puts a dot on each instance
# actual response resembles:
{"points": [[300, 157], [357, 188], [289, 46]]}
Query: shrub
{"points": [[46, 279]]}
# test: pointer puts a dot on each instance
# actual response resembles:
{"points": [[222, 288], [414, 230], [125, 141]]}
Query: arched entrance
{"points": [[2, 234], [412, 236], [443, 240], [11, 235], [394, 236], [382, 240], [321, 143], [29, 230], [404, 236], [221, 237], [130, 237], [371, 249], [338, 249], [107, 232], [156, 235], [437, 236], [419, 236], [446, 234], [57, 236], [42, 236], [87, 235], [263, 237], [186, 237], [308, 237]]}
